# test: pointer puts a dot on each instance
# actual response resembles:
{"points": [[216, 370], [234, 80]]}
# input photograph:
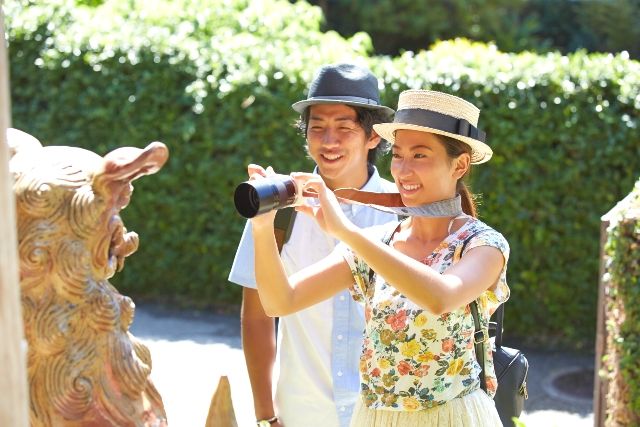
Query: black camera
{"points": [[263, 195]]}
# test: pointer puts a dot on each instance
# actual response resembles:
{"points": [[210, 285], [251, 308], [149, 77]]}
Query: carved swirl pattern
{"points": [[72, 271], [69, 386], [127, 308], [39, 198], [84, 366], [105, 310], [50, 328], [128, 367], [34, 250], [84, 212]]}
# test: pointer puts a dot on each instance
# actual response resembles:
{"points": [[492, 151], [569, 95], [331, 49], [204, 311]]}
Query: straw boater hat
{"points": [[440, 113], [348, 84]]}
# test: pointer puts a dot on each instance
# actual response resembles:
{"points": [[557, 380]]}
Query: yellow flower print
{"points": [[410, 348], [363, 366], [370, 398], [491, 297], [384, 304], [388, 380], [429, 334], [420, 320], [426, 357], [455, 367], [411, 404], [384, 363], [389, 399], [386, 336], [360, 283]]}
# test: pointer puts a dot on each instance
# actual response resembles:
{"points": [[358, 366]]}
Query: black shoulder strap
{"points": [[386, 240], [479, 335], [282, 225], [389, 233], [479, 338]]}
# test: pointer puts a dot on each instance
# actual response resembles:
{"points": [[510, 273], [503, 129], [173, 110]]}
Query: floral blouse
{"points": [[412, 359]]}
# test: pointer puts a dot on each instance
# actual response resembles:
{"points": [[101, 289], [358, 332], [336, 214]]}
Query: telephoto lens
{"points": [[263, 195]]}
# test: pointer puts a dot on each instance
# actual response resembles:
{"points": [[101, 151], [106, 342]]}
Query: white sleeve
{"points": [[243, 268]]}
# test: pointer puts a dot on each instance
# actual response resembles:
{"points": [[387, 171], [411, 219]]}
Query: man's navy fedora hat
{"points": [[348, 84]]}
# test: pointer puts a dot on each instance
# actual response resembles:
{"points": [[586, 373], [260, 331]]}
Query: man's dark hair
{"points": [[366, 117]]}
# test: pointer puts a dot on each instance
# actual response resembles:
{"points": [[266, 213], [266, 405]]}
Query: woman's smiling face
{"points": [[422, 169]]}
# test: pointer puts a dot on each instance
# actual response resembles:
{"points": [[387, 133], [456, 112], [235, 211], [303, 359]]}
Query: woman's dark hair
{"points": [[366, 119], [454, 149]]}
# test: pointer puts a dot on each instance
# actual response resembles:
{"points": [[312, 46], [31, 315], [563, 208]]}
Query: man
{"points": [[318, 348]]}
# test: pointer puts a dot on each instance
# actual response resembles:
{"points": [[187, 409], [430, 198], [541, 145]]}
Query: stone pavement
{"points": [[190, 350]]}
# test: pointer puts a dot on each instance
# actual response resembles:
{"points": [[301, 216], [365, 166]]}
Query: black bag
{"points": [[511, 365], [511, 368]]}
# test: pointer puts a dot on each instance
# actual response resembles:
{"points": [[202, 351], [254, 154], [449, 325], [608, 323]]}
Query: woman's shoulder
{"points": [[477, 233]]}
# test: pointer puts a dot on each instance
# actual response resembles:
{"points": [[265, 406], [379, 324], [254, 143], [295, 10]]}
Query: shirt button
{"points": [[339, 373], [341, 297], [342, 409], [340, 337]]}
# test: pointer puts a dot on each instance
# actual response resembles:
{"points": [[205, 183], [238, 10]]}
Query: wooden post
{"points": [[13, 371], [221, 412], [601, 384]]}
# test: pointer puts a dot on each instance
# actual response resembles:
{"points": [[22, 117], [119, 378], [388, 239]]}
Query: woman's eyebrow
{"points": [[413, 148]]}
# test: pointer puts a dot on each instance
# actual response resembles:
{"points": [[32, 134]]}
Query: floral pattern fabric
{"points": [[412, 359]]}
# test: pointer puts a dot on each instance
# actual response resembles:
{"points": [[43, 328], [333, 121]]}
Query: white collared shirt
{"points": [[318, 347]]}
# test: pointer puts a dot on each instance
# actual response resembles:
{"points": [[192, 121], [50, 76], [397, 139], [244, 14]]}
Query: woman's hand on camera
{"points": [[257, 172], [329, 214]]}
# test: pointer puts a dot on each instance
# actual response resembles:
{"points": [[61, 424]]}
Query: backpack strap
{"points": [[479, 334], [282, 226], [479, 338]]}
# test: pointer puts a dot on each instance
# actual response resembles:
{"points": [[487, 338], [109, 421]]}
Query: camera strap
{"points": [[392, 202]]}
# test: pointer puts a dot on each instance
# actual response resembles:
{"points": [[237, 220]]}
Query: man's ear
{"points": [[373, 141]]}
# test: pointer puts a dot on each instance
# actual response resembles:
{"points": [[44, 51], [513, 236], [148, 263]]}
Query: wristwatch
{"points": [[267, 422]]}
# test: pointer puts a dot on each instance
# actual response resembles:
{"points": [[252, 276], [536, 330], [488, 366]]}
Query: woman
{"points": [[418, 365]]}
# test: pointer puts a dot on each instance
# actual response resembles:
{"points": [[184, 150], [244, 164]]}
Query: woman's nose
{"points": [[403, 167]]}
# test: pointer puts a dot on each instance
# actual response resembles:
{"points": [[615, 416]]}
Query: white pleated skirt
{"points": [[473, 410]]}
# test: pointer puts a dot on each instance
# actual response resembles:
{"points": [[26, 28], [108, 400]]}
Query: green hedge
{"points": [[215, 79], [565, 135], [623, 325], [514, 25]]}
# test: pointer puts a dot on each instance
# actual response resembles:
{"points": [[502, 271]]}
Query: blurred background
{"points": [[558, 83]]}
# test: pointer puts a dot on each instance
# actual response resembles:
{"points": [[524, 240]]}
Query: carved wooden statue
{"points": [[84, 367]]}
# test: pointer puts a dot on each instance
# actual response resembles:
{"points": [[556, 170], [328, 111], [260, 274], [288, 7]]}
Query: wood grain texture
{"points": [[13, 376]]}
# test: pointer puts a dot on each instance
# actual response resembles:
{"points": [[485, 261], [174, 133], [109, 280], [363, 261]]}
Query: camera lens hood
{"points": [[259, 196]]}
